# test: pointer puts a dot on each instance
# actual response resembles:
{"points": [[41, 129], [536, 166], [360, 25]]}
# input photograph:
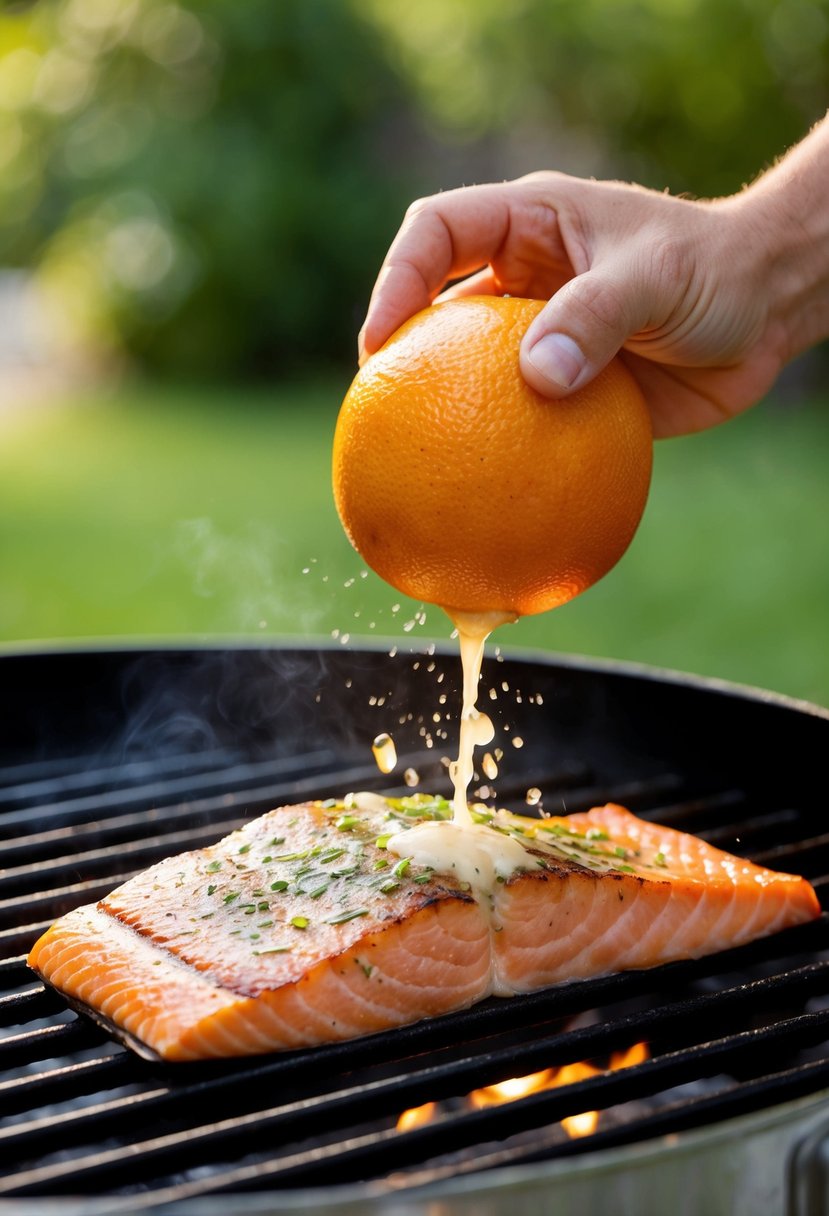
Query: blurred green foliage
{"points": [[210, 184], [203, 182]]}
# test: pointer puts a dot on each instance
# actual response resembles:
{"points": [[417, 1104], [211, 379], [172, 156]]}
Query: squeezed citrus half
{"points": [[462, 486]]}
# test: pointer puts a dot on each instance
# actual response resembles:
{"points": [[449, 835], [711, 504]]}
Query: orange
{"points": [[462, 486]]}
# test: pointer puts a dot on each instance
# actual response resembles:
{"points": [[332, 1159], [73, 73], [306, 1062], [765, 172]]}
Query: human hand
{"points": [[685, 289]]}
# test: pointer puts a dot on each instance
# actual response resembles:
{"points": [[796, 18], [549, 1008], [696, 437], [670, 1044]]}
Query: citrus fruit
{"points": [[462, 486]]}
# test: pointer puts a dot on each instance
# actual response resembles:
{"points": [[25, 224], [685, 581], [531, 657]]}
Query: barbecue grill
{"points": [[111, 759]]}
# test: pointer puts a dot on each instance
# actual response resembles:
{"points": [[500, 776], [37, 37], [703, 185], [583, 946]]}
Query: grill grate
{"points": [[80, 1114]]}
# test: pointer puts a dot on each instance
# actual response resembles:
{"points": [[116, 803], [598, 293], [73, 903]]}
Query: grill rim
{"points": [[310, 643]]}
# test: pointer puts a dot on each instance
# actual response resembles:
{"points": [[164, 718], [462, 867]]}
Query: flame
{"points": [[417, 1116], [520, 1087]]}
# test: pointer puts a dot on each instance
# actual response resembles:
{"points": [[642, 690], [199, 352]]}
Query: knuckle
{"points": [[604, 302]]}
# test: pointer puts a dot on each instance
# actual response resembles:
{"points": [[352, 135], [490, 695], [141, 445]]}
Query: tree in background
{"points": [[690, 95], [203, 183], [210, 184]]}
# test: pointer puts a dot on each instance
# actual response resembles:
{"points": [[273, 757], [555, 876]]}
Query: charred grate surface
{"points": [[728, 1034]]}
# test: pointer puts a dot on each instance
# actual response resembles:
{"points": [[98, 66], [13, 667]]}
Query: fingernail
{"points": [[557, 358]]}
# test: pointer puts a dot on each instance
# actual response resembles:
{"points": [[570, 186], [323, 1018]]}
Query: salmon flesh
{"points": [[302, 928]]}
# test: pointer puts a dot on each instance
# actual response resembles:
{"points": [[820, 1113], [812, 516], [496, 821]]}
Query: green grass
{"points": [[157, 512]]}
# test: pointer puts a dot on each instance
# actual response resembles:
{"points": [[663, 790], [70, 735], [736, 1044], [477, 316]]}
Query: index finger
{"points": [[443, 237]]}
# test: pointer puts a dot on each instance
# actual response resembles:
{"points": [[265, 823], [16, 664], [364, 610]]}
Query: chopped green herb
{"points": [[214, 867], [274, 950], [421, 878], [263, 906], [211, 888], [330, 855], [279, 885], [300, 922], [597, 834], [382, 841], [276, 840], [402, 866], [380, 864], [245, 848], [349, 914], [347, 823], [659, 859], [318, 891], [388, 886], [620, 852], [229, 898], [265, 924]]}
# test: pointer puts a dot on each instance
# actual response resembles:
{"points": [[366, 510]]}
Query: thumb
{"points": [[580, 330]]}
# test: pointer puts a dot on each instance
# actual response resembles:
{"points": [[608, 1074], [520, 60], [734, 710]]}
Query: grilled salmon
{"points": [[303, 927]]}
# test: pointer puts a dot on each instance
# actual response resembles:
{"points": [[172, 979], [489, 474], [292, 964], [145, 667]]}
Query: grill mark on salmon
{"points": [[300, 928]]}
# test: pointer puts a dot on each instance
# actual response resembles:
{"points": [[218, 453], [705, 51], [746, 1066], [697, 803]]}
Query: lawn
{"points": [[166, 512]]}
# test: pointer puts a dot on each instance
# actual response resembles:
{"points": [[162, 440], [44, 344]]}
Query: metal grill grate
{"points": [[81, 1115]]}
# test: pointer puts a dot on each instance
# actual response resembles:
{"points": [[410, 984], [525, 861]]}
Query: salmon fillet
{"points": [[302, 928]]}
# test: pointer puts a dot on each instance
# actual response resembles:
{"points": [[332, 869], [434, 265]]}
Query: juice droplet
{"points": [[411, 777], [489, 766], [518, 741], [385, 753], [533, 796]]}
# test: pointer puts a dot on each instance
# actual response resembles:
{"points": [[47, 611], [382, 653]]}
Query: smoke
{"points": [[246, 572]]}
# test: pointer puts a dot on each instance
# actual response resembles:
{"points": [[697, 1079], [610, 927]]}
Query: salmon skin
{"points": [[302, 928]]}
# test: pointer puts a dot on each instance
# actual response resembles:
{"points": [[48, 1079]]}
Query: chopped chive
{"points": [[318, 891], [620, 852], [211, 888], [330, 855], [214, 867], [245, 848], [382, 841], [279, 885], [349, 914], [265, 924], [402, 866], [659, 859], [346, 823], [423, 877], [300, 922], [276, 840], [229, 898], [300, 855], [380, 864], [274, 950], [388, 886]]}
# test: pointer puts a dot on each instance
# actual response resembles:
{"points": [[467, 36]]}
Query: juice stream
{"points": [[471, 852]]}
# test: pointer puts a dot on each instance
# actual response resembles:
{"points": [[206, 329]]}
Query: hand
{"points": [[686, 290]]}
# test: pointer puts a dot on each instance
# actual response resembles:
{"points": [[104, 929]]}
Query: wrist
{"points": [[782, 223]]}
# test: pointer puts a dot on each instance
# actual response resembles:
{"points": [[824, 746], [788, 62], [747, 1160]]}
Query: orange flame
{"points": [[519, 1087], [417, 1116]]}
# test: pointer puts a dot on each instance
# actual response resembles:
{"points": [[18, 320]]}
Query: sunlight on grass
{"points": [[166, 513]]}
